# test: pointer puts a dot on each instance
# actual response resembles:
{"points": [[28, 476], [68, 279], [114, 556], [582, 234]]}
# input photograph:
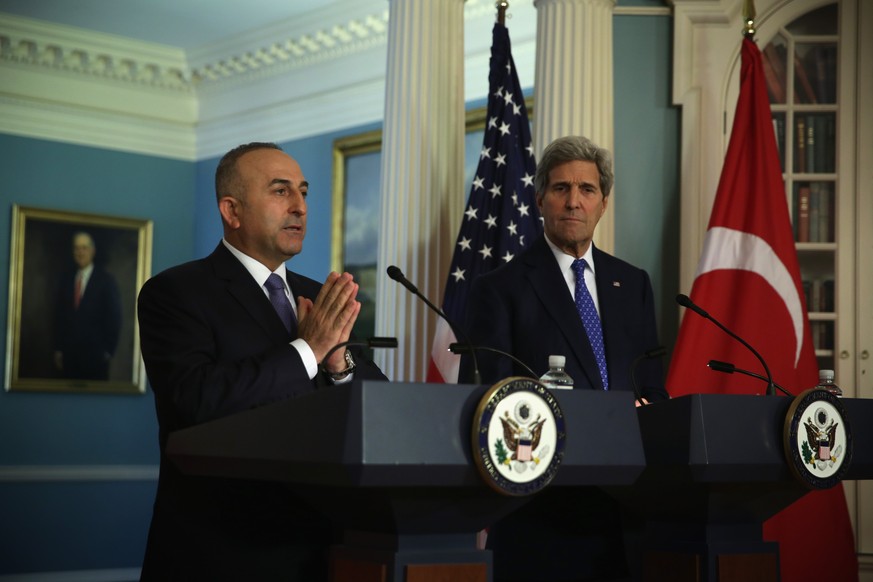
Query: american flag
{"points": [[501, 217]]}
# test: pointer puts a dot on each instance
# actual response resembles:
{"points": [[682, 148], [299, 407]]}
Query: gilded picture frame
{"points": [[73, 283], [354, 244]]}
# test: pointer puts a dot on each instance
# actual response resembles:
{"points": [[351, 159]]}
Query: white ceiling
{"points": [[185, 24]]}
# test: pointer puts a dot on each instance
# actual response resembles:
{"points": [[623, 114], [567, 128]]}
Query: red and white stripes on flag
{"points": [[501, 217]]}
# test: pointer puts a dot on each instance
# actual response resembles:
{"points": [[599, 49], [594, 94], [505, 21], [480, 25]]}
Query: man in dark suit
{"points": [[533, 307], [230, 332], [87, 316]]}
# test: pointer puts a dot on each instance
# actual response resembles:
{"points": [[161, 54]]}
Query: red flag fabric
{"points": [[749, 279]]}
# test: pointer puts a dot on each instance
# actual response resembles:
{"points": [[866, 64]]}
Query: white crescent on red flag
{"points": [[749, 279]]}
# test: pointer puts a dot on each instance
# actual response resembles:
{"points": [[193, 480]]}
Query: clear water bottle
{"points": [[556, 378], [826, 382]]}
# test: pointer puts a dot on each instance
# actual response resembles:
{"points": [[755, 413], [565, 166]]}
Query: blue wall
{"points": [[56, 524], [62, 525]]}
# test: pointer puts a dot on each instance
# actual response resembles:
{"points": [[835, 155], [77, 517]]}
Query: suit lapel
{"points": [[550, 287], [241, 285]]}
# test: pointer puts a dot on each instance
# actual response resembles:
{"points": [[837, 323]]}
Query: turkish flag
{"points": [[748, 278]]}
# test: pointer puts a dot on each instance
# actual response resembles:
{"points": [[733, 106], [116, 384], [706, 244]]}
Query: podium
{"points": [[391, 463], [716, 470]]}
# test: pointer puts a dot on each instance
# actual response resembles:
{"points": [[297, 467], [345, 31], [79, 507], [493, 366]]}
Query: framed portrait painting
{"points": [[73, 283]]}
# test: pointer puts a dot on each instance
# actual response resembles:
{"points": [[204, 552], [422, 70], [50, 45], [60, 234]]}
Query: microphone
{"points": [[373, 342], [458, 348], [685, 301], [647, 355], [729, 368], [396, 274]]}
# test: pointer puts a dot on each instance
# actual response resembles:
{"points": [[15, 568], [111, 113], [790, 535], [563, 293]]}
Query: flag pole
{"points": [[749, 19], [502, 5]]}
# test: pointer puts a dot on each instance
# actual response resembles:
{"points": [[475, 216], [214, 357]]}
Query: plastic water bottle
{"points": [[826, 382], [556, 378]]}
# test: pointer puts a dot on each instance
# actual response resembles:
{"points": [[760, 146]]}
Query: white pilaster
{"points": [[573, 89], [422, 173]]}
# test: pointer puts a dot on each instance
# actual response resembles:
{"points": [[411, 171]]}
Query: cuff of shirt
{"points": [[307, 356]]}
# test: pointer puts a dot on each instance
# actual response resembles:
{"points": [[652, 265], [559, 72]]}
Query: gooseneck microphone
{"points": [[372, 342], [685, 301], [459, 348], [396, 274], [728, 368], [647, 355]]}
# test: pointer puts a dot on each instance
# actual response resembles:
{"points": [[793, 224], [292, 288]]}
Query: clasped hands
{"points": [[329, 319]]}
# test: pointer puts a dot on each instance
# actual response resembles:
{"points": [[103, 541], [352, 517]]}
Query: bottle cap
{"points": [[825, 374], [557, 361]]}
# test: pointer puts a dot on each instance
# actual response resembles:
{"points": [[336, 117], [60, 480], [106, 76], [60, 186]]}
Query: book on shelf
{"points": [[779, 131], [822, 336], [811, 140], [814, 212], [801, 220], [820, 63], [774, 72], [803, 91], [825, 204], [800, 141], [819, 294]]}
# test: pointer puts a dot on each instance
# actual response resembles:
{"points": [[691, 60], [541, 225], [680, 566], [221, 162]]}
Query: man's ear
{"points": [[230, 207]]}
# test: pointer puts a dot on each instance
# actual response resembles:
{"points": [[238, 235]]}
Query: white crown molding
{"points": [[299, 77]]}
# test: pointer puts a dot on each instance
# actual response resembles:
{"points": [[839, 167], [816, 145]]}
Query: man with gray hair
{"points": [[564, 296]]}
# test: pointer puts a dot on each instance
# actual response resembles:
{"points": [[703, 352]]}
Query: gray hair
{"points": [[570, 149]]}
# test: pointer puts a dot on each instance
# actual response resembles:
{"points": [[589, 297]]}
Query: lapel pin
{"points": [[616, 283]]}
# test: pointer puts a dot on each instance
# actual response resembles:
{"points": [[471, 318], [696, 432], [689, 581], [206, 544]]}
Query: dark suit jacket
{"points": [[213, 346], [525, 308], [88, 335]]}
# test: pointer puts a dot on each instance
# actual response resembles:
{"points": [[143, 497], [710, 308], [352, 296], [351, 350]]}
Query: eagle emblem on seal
{"points": [[821, 433]]}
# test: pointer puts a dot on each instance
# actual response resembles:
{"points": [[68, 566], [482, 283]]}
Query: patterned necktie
{"points": [[276, 287], [590, 319], [77, 291]]}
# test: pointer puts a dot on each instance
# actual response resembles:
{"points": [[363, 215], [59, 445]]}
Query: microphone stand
{"points": [[373, 342], [396, 274], [685, 301], [458, 348], [728, 368]]}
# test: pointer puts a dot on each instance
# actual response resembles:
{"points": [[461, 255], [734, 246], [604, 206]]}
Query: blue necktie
{"points": [[276, 288], [590, 319]]}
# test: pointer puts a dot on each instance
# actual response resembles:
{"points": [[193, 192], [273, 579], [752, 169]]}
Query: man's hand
{"points": [[328, 320], [640, 402]]}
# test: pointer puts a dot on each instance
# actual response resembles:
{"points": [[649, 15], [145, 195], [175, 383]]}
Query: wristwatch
{"points": [[350, 367]]}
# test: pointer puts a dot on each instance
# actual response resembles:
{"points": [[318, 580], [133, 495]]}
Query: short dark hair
{"points": [[226, 175], [570, 149]]}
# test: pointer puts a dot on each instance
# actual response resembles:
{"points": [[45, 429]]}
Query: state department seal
{"points": [[518, 436], [817, 439]]}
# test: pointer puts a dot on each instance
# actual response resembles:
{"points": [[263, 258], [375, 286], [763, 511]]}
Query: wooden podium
{"points": [[391, 463], [716, 470]]}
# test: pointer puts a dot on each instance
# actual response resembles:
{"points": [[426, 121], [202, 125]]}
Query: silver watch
{"points": [[350, 367]]}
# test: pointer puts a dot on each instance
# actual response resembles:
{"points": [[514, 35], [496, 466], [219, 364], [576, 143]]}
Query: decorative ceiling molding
{"points": [[25, 42]]}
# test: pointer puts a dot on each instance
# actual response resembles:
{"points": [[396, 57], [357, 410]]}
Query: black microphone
{"points": [[458, 348], [647, 355], [729, 368], [372, 342], [685, 301], [396, 274]]}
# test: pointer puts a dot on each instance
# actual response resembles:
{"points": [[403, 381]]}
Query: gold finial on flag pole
{"points": [[502, 5], [749, 19]]}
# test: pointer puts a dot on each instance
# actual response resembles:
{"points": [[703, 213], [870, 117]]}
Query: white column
{"points": [[573, 88], [422, 174]]}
